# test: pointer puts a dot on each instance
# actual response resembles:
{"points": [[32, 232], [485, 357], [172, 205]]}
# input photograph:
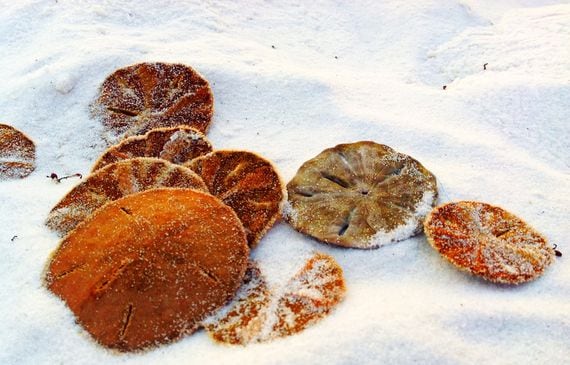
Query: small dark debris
{"points": [[57, 179], [485, 66], [272, 46], [336, 57], [13, 238], [556, 252], [444, 87]]}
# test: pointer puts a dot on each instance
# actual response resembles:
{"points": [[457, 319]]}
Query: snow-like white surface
{"points": [[289, 81]]}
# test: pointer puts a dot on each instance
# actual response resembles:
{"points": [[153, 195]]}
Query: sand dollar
{"points": [[149, 267], [17, 153], [488, 241], [360, 195], [259, 314], [138, 98], [246, 182], [115, 181], [177, 145]]}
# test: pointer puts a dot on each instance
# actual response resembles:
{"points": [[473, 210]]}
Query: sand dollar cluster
{"points": [[157, 238]]}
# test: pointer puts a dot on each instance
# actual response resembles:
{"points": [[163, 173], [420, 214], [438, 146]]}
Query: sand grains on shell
{"points": [[147, 268], [17, 153], [488, 241], [138, 98], [360, 195]]}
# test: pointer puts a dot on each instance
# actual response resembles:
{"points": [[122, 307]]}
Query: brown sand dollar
{"points": [[488, 241], [138, 98], [242, 320], [246, 182], [17, 153], [177, 145], [257, 314], [360, 195], [115, 181], [147, 268]]}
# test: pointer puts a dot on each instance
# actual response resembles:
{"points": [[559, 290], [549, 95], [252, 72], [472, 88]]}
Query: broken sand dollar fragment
{"points": [[115, 181], [360, 195], [488, 241], [241, 321], [17, 153], [257, 314], [149, 267], [246, 182], [138, 98], [177, 145]]}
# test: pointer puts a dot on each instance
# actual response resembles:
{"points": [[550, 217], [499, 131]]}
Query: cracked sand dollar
{"points": [[138, 98], [17, 153], [246, 182], [241, 321], [177, 145], [257, 314], [360, 195], [488, 241], [115, 181], [148, 268]]}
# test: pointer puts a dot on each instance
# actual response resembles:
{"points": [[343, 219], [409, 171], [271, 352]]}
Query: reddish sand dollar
{"points": [[138, 98], [258, 315], [115, 181], [17, 153], [177, 145], [246, 182], [360, 195], [488, 241], [149, 267]]}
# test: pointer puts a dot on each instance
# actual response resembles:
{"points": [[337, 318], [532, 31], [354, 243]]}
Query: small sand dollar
{"points": [[258, 314], [115, 181], [17, 153], [177, 145], [246, 182], [149, 267], [488, 241], [138, 98], [360, 195]]}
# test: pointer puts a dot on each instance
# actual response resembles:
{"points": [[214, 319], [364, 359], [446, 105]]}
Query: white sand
{"points": [[289, 81]]}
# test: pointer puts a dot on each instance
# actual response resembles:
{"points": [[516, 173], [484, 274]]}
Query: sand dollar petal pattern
{"points": [[17, 153], [360, 195], [138, 98], [115, 181], [149, 267], [177, 145], [488, 241], [246, 182]]}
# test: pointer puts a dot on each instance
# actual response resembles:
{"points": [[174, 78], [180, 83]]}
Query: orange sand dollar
{"points": [[147, 268], [246, 182], [488, 241]]}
